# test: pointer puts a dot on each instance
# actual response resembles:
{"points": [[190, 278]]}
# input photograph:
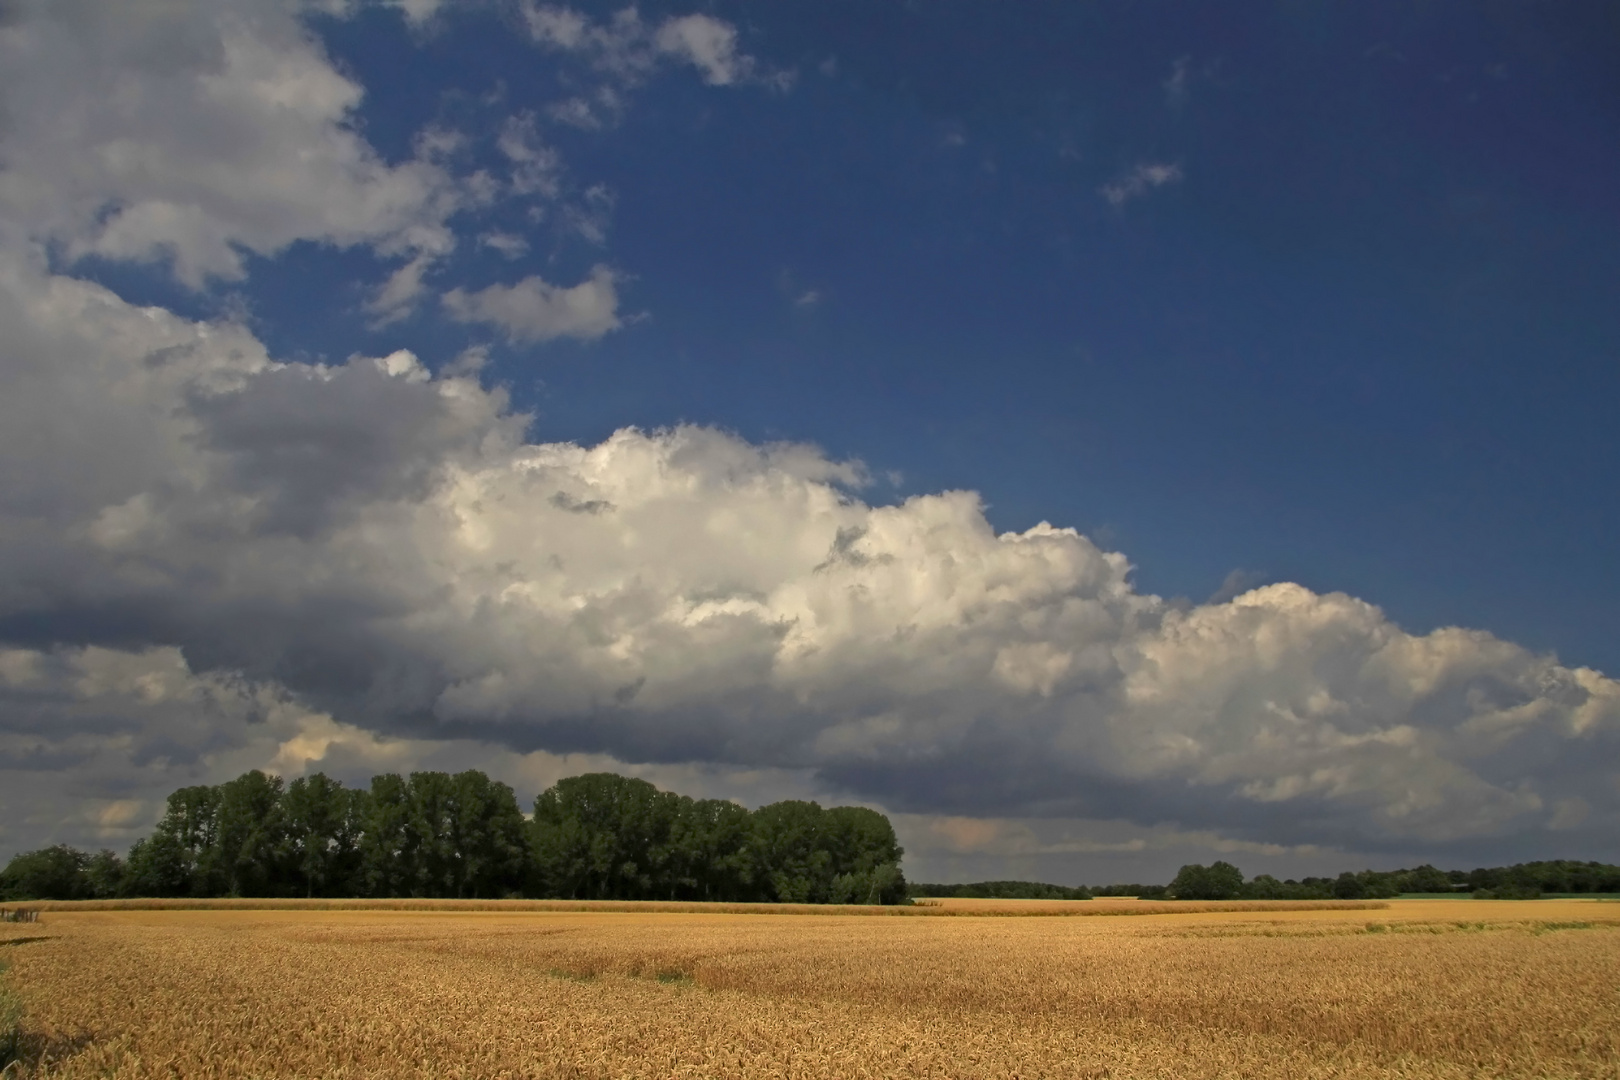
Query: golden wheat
{"points": [[946, 906], [1417, 988]]}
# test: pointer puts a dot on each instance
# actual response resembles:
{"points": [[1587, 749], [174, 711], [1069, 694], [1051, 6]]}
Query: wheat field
{"points": [[1410, 989], [921, 908]]}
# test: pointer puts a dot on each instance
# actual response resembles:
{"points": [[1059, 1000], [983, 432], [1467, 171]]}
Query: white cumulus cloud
{"points": [[534, 310], [387, 547], [707, 43], [195, 132]]}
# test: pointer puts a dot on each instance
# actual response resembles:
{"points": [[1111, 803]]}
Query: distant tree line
{"points": [[431, 834], [1002, 890], [1144, 892], [1223, 881], [1523, 881], [607, 837]]}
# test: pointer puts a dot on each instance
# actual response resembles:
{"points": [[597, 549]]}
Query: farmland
{"points": [[1410, 988]]}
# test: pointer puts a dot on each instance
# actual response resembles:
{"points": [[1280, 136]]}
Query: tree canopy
{"points": [[1002, 890], [431, 834], [602, 836]]}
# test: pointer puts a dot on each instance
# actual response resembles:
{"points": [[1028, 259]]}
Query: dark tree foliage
{"points": [[431, 834], [249, 850], [53, 873], [1141, 892], [865, 856], [1002, 890], [607, 837], [490, 837], [1556, 876], [173, 861], [430, 847], [710, 852], [1218, 881], [794, 864], [156, 867], [318, 816], [1523, 881], [104, 875], [1349, 887], [385, 848], [1423, 879]]}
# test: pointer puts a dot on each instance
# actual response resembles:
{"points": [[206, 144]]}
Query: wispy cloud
{"points": [[1175, 87], [1139, 181], [628, 50], [510, 245]]}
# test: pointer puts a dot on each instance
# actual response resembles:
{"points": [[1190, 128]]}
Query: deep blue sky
{"points": [[1368, 341]]}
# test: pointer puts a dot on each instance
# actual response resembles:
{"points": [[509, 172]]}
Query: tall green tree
{"points": [[490, 837], [317, 813], [865, 856], [604, 836], [430, 840], [159, 865], [248, 854], [105, 874], [168, 862], [385, 842], [794, 862], [709, 854]]}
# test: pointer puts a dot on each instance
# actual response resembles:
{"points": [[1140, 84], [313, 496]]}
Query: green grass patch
{"points": [[1549, 927], [1580, 896]]}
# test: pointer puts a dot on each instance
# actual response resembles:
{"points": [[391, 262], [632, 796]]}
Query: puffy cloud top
{"points": [[534, 310], [194, 131], [387, 545]]}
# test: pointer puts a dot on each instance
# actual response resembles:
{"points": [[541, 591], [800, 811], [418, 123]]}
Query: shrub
{"points": [[1218, 881], [1509, 891], [53, 873]]}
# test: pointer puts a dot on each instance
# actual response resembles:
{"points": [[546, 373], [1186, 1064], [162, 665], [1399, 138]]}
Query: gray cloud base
{"points": [[389, 548]]}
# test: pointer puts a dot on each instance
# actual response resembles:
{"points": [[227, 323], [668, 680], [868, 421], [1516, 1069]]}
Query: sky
{"points": [[1103, 437]]}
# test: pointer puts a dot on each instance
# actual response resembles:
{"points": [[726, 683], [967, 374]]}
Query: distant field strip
{"points": [[950, 906], [1443, 989]]}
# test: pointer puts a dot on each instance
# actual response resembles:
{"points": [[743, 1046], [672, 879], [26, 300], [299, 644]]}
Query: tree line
{"points": [[598, 836], [1522, 881], [1223, 881], [1002, 890], [607, 837]]}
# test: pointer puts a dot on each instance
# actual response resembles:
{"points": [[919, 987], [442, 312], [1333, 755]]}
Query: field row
{"points": [[1419, 988], [946, 906]]}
